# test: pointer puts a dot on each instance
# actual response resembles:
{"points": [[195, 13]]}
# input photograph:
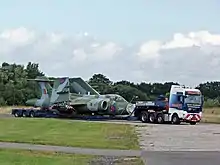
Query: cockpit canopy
{"points": [[115, 97]]}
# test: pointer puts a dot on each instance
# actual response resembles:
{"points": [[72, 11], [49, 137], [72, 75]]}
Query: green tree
{"points": [[14, 87], [33, 71], [100, 83]]}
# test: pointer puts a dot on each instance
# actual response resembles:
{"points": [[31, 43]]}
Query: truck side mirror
{"points": [[203, 99], [180, 98]]}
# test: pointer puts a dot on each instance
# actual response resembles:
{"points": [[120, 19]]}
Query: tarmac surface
{"points": [[180, 144], [160, 144], [182, 158], [89, 151]]}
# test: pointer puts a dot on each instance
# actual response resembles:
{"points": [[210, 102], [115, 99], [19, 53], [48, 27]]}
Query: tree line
{"points": [[15, 89]]}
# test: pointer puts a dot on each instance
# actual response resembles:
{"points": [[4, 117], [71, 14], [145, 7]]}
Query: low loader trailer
{"points": [[43, 113], [62, 112], [33, 112]]}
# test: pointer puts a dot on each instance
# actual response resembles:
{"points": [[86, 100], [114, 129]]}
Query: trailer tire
{"points": [[175, 119], [16, 114], [160, 119], [144, 117], [152, 118], [32, 114], [24, 114]]}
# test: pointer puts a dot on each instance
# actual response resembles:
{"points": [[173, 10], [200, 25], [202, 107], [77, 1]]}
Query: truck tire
{"points": [[192, 123], [144, 117], [152, 118], [160, 119], [175, 119]]}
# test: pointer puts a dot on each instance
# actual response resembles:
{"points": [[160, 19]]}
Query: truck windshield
{"points": [[193, 99]]}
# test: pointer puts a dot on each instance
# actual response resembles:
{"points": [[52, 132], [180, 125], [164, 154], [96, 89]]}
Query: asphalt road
{"points": [[182, 158], [180, 144], [149, 157], [89, 151], [5, 115]]}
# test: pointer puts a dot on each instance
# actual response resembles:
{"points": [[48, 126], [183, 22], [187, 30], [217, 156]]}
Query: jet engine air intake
{"points": [[104, 105], [97, 105]]}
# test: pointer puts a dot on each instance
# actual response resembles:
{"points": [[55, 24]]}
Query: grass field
{"points": [[68, 133], [211, 115], [25, 157]]}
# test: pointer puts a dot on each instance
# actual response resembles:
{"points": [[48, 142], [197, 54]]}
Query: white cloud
{"points": [[186, 58], [149, 50]]}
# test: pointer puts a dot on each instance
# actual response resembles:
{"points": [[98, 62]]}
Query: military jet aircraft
{"points": [[75, 96]]}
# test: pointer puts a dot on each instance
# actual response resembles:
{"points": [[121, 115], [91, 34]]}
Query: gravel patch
{"points": [[166, 137], [103, 160], [111, 160]]}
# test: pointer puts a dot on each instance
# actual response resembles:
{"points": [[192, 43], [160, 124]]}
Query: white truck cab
{"points": [[185, 104]]}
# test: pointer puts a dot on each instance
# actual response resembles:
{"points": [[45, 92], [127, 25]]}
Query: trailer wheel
{"points": [[160, 118], [144, 117], [16, 114], [31, 114], [24, 114], [175, 119], [151, 117]]}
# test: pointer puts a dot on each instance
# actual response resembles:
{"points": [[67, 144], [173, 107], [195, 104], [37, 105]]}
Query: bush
{"points": [[210, 103], [2, 101]]}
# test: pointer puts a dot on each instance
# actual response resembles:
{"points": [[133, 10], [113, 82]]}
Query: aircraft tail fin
{"points": [[44, 83], [60, 91], [78, 85]]}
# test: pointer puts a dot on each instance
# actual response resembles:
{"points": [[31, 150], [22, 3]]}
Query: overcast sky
{"points": [[135, 40]]}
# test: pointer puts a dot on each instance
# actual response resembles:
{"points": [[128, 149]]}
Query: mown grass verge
{"points": [[24, 157], [27, 157], [68, 133]]}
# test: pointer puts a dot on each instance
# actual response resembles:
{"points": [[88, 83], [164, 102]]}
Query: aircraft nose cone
{"points": [[130, 108]]}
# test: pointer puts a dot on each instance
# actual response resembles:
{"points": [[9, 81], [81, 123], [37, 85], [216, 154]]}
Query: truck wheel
{"points": [[175, 119], [192, 123], [160, 118], [144, 117], [151, 117]]}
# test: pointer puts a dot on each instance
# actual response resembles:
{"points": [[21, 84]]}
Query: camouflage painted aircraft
{"points": [[78, 97]]}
